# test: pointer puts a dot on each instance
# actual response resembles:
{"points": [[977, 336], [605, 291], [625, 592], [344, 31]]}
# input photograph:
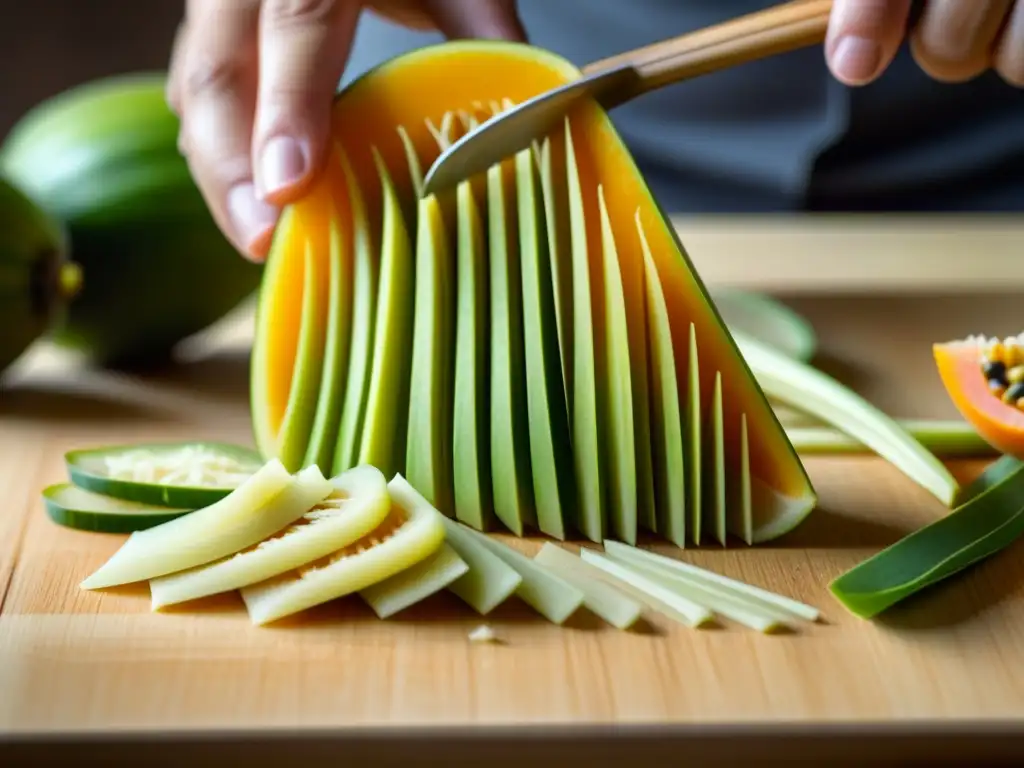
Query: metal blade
{"points": [[505, 134]]}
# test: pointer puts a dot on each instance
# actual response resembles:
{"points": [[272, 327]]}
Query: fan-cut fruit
{"points": [[532, 347]]}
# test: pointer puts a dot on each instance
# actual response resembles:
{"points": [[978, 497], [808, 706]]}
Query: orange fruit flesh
{"points": [[1001, 424]]}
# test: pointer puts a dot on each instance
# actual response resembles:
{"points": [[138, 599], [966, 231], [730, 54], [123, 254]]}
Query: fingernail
{"points": [[282, 164], [252, 218], [857, 58]]}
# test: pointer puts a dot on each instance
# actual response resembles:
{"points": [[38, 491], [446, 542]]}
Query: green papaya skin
{"points": [[36, 279], [103, 159]]}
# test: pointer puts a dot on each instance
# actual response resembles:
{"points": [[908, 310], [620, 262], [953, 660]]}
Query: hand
{"points": [[253, 81], [954, 41]]}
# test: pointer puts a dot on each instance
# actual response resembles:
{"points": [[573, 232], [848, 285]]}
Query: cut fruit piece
{"points": [[587, 394], [510, 448], [382, 435], [550, 449], [991, 519], [824, 397], [611, 604], [415, 584], [405, 538], [297, 423], [471, 450], [715, 451], [550, 595], [618, 439], [717, 600], [666, 415], [182, 475], [324, 435], [265, 503], [75, 507], [944, 438], [559, 251], [428, 458], [365, 278], [984, 378], [665, 601], [769, 321], [709, 580], [490, 580], [740, 491], [357, 504]]}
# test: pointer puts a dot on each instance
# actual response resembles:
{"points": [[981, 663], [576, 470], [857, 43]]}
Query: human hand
{"points": [[954, 41], [253, 81]]}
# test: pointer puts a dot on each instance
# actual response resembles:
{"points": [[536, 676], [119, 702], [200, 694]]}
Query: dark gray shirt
{"points": [[780, 134]]}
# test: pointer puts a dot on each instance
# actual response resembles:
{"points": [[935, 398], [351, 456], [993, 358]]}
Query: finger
{"points": [[1008, 58], [954, 40], [863, 38], [303, 48], [177, 61], [483, 19], [218, 84]]}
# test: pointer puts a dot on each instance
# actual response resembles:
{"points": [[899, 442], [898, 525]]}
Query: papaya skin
{"points": [[368, 120], [103, 159], [36, 279], [1000, 424]]}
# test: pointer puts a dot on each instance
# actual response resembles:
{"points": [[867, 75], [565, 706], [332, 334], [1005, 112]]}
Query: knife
{"points": [[618, 79]]}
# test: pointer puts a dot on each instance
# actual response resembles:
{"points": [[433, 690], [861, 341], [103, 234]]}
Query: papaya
{"points": [[103, 159], [37, 281], [522, 348], [984, 378]]}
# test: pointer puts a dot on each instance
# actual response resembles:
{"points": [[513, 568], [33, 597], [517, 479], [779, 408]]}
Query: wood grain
{"points": [[73, 660]]}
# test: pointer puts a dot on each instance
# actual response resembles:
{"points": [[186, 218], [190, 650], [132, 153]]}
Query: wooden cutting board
{"points": [[102, 662]]}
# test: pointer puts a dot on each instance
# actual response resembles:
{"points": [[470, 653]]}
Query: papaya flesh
{"points": [[103, 159], [984, 378], [526, 348], [37, 281]]}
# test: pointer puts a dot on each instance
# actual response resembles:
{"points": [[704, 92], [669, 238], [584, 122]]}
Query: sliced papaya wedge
{"points": [[586, 380], [406, 537], [265, 503], [356, 505], [985, 380]]}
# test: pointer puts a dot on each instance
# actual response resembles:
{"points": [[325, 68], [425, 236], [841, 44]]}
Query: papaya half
{"points": [[985, 380], [103, 159], [532, 348], [36, 278]]}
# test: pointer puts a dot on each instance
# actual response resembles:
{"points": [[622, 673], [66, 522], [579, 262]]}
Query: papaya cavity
{"points": [[532, 347], [984, 378]]}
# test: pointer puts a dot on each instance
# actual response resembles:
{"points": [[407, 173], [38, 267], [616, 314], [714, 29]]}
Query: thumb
{"points": [[486, 19], [863, 38]]}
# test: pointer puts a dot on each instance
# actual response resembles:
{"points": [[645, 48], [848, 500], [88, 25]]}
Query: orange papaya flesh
{"points": [[626, 413], [984, 378]]}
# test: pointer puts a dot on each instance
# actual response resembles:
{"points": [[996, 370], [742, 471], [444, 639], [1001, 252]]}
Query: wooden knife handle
{"points": [[779, 29]]}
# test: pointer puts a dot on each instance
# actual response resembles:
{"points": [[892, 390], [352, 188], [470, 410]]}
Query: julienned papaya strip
{"points": [[989, 518]]}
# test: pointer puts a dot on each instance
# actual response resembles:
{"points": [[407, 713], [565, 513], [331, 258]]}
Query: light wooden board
{"points": [[72, 660], [845, 254]]}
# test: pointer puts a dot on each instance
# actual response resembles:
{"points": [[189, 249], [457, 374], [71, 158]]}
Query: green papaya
{"points": [[36, 279], [103, 158]]}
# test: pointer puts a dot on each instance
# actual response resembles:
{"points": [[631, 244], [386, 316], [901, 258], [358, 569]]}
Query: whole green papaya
{"points": [[103, 158], [36, 279]]}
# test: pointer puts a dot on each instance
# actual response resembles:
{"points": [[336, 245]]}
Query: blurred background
{"points": [[56, 44]]}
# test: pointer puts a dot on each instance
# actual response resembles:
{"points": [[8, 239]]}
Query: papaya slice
{"points": [[984, 378], [265, 503], [355, 506], [550, 452], [404, 539], [552, 361], [471, 427]]}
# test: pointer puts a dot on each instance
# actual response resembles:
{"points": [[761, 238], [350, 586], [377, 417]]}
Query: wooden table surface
{"points": [[946, 664]]}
